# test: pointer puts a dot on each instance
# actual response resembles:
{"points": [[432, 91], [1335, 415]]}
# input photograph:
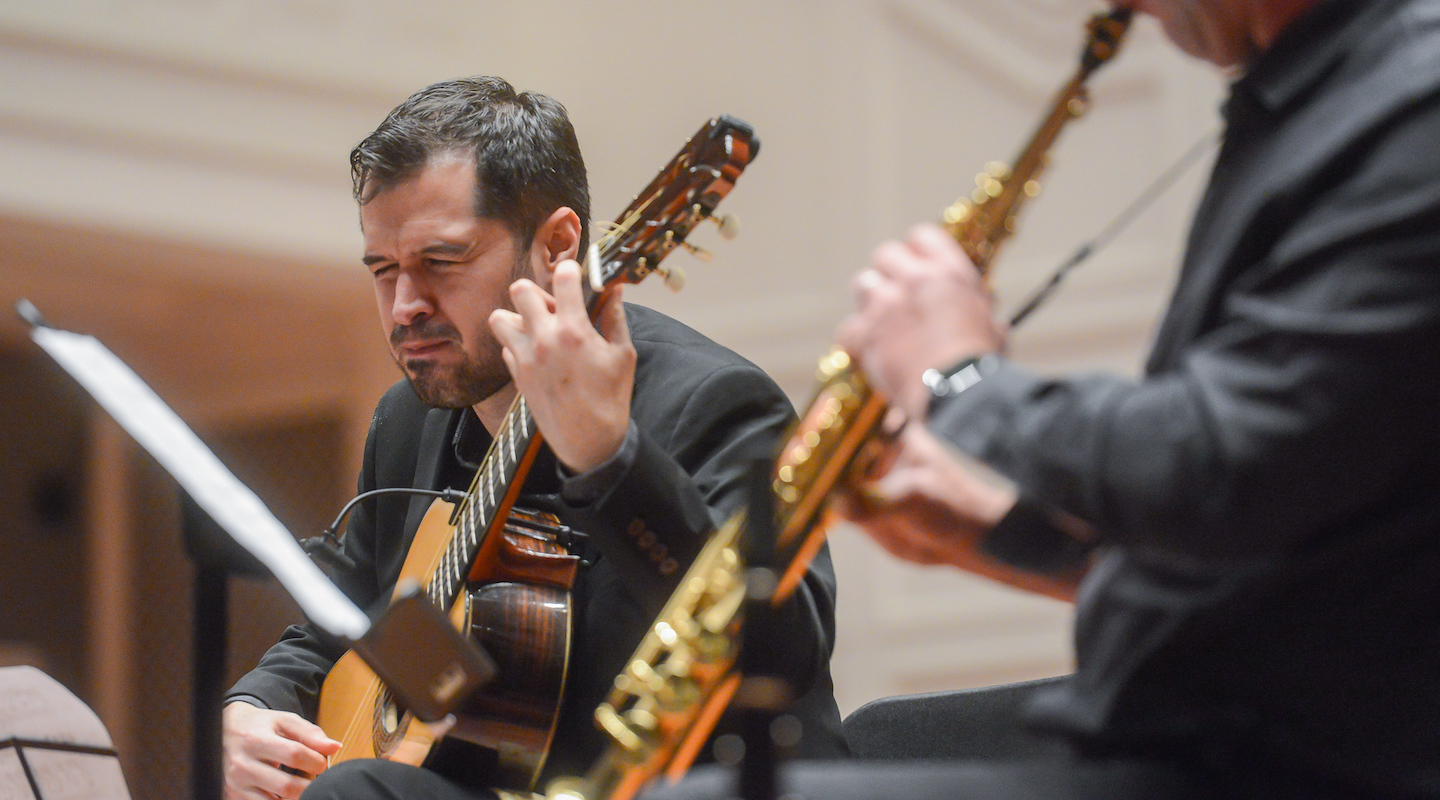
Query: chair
{"points": [[52, 746], [981, 723]]}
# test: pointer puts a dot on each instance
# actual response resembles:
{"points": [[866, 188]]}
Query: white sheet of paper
{"points": [[214, 487]]}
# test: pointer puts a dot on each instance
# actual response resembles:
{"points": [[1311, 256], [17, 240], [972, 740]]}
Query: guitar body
{"points": [[521, 615]]}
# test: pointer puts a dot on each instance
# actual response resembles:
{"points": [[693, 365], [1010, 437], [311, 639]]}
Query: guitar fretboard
{"points": [[481, 503]]}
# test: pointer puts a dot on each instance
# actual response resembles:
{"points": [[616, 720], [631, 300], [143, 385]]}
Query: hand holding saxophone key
{"points": [[926, 489], [920, 305]]}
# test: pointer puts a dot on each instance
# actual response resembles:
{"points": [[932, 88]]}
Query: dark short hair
{"points": [[527, 159]]}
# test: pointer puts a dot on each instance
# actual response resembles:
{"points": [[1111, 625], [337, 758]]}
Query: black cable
{"points": [[1120, 223], [326, 546]]}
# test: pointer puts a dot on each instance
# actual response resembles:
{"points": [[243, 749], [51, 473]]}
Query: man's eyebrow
{"points": [[446, 249], [438, 248]]}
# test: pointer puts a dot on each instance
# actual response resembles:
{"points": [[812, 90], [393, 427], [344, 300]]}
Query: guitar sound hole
{"points": [[390, 723]]}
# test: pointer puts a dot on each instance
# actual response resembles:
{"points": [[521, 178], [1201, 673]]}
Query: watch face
{"points": [[934, 380], [960, 377]]}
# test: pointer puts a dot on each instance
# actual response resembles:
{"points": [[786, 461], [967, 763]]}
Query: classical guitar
{"points": [[504, 574], [665, 704]]}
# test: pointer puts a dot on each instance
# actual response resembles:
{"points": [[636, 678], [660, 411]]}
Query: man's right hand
{"points": [[258, 742], [935, 505], [921, 305]]}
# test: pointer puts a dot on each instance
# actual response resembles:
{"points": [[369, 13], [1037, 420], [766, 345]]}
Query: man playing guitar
{"points": [[474, 208]]}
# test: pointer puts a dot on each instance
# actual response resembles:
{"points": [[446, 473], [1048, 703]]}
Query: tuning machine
{"points": [[699, 252], [673, 275], [728, 225]]}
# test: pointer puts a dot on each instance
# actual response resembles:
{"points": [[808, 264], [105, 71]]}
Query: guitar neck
{"points": [[488, 502]]}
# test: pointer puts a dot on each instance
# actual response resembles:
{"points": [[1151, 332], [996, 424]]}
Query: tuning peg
{"points": [[699, 252], [592, 268], [674, 277], [729, 226]]}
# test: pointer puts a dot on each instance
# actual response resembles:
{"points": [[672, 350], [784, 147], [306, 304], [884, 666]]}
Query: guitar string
{"points": [[518, 414], [503, 446]]}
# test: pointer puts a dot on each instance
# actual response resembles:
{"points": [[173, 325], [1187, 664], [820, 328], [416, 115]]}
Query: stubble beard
{"points": [[470, 381], [458, 385]]}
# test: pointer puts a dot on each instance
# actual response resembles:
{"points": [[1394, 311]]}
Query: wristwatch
{"points": [[964, 374]]}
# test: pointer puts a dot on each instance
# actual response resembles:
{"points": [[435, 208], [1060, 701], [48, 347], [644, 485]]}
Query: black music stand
{"points": [[216, 557], [412, 647], [764, 697]]}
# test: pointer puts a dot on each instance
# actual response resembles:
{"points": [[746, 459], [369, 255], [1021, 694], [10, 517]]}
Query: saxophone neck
{"points": [[982, 221]]}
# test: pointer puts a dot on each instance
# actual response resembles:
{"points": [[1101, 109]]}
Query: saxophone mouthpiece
{"points": [[1106, 32]]}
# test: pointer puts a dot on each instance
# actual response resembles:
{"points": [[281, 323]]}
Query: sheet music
{"points": [[34, 705], [233, 505], [36, 709]]}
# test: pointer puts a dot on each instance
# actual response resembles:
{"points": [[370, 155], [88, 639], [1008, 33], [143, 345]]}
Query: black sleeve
{"points": [[1292, 410], [698, 436], [290, 674], [687, 477]]}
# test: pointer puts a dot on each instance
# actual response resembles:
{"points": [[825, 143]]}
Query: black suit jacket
{"points": [[702, 414], [1268, 495]]}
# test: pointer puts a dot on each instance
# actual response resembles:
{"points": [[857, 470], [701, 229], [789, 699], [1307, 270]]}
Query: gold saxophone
{"points": [[665, 704]]}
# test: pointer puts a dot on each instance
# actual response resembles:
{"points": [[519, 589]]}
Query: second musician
{"points": [[1263, 505]]}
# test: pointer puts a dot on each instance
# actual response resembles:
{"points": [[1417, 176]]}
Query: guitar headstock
{"points": [[683, 195]]}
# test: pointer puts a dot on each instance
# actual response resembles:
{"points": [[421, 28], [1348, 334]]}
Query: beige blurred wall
{"points": [[173, 179]]}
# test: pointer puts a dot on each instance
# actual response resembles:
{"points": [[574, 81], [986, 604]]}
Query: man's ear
{"points": [[557, 239]]}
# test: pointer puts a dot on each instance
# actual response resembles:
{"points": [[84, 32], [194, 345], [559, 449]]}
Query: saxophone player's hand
{"points": [[936, 506], [921, 305], [928, 506]]}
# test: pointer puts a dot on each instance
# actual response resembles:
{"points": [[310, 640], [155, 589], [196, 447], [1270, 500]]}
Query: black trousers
{"points": [[369, 779], [952, 780], [1047, 778], [898, 780], [1041, 779]]}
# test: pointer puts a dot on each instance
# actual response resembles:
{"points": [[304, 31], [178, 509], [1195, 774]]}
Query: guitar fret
{"points": [[443, 580], [464, 547], [509, 440]]}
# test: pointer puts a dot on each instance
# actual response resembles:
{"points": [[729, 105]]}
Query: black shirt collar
{"points": [[1308, 49]]}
